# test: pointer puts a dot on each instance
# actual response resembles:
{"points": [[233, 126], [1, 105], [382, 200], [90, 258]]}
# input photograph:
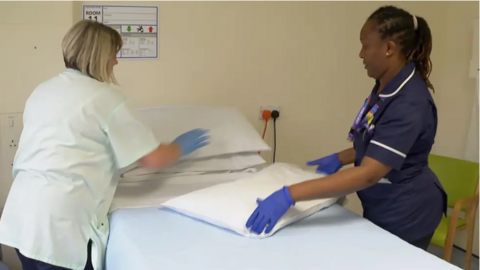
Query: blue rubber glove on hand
{"points": [[192, 140], [328, 165], [269, 211]]}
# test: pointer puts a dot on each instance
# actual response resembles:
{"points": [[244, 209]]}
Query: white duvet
{"points": [[229, 205]]}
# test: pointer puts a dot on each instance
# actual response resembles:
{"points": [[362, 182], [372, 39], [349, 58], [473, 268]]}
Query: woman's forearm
{"points": [[164, 156], [336, 185], [341, 183], [347, 156]]}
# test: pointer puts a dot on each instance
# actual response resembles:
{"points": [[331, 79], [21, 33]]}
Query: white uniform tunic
{"points": [[77, 132]]}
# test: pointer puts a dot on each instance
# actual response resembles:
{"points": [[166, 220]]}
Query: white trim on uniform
{"points": [[388, 148], [384, 181], [400, 87]]}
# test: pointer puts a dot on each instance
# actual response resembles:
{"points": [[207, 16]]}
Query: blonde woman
{"points": [[77, 131]]}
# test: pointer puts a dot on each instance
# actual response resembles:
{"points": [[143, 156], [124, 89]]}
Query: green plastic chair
{"points": [[460, 180]]}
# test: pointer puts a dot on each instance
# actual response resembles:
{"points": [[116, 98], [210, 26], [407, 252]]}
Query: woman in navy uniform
{"points": [[392, 137]]}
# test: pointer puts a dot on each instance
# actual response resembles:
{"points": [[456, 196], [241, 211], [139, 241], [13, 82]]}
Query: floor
{"points": [[458, 258]]}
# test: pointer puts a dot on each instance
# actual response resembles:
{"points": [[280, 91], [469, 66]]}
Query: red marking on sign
{"points": [[150, 29]]}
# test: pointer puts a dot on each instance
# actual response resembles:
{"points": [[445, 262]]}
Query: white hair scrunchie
{"points": [[415, 22]]}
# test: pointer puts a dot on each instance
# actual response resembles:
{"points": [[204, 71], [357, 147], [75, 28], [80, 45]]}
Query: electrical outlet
{"points": [[13, 143], [269, 108], [13, 149], [11, 126]]}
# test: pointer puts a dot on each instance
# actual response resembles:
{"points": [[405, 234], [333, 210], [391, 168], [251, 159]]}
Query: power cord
{"points": [[275, 115], [266, 115]]}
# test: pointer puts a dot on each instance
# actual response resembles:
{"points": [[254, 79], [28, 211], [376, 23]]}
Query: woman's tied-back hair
{"points": [[90, 47], [411, 33]]}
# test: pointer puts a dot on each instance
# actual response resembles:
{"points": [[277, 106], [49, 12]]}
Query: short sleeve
{"points": [[395, 133], [129, 137]]}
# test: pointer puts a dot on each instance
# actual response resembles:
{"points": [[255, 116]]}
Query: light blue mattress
{"points": [[333, 239]]}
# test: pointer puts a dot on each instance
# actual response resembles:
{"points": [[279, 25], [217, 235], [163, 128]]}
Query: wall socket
{"points": [[11, 126], [13, 148], [13, 143], [269, 108]]}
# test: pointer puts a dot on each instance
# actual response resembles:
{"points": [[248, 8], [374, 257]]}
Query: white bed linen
{"points": [[229, 205], [333, 239], [230, 131], [232, 162], [153, 190]]}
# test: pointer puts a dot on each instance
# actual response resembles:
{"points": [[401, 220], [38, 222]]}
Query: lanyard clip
{"points": [[368, 130]]}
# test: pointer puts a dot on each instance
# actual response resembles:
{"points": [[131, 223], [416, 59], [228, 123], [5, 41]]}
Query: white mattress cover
{"points": [[333, 239]]}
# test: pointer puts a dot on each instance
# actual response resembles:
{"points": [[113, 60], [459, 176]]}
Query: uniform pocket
{"points": [[444, 196]]}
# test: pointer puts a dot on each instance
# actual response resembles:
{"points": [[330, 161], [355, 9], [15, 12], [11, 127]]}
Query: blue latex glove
{"points": [[269, 211], [192, 140], [328, 165]]}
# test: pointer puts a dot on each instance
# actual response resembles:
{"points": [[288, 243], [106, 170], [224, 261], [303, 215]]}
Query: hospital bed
{"points": [[333, 239], [146, 236]]}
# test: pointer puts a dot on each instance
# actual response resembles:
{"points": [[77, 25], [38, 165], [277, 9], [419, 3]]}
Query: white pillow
{"points": [[229, 205], [229, 130], [222, 163]]}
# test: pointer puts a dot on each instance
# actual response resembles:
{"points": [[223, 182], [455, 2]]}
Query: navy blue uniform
{"points": [[409, 201]]}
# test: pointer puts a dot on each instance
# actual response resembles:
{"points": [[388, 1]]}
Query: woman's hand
{"points": [[168, 154], [332, 163], [328, 165], [269, 211], [191, 141]]}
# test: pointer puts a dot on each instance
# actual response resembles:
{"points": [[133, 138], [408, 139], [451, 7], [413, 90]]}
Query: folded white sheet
{"points": [[153, 190], [233, 162], [229, 205]]}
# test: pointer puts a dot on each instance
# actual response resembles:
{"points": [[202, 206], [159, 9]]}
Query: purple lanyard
{"points": [[364, 119]]}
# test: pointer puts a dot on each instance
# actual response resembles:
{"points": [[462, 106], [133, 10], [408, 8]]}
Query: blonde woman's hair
{"points": [[90, 48]]}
